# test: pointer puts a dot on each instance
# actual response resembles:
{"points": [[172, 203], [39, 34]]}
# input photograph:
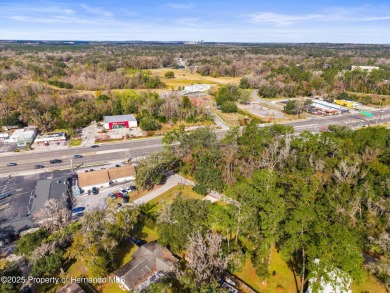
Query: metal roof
{"points": [[119, 118]]}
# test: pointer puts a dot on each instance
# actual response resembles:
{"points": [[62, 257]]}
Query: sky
{"points": [[335, 21]]}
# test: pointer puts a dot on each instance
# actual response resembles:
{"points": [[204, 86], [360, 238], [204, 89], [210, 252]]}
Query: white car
{"points": [[128, 190], [122, 190]]}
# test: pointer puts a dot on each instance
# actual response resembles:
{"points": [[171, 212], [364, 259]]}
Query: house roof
{"points": [[93, 178], [71, 288], [105, 176], [119, 118], [147, 260], [121, 172]]}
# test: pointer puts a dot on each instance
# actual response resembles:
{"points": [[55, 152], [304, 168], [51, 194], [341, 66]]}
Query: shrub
{"points": [[229, 107], [201, 189]]}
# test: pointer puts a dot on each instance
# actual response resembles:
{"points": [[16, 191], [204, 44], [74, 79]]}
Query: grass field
{"points": [[75, 142], [369, 284], [170, 195], [184, 77], [284, 277]]}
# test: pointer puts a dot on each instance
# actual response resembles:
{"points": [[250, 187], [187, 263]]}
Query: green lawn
{"points": [[75, 142], [170, 195], [282, 282], [369, 284]]}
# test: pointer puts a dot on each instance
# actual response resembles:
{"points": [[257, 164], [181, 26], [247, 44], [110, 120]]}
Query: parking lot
{"points": [[99, 201], [7, 147], [22, 189]]}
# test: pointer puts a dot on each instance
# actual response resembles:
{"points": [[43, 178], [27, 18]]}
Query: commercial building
{"points": [[364, 68], [4, 135], [150, 262], [189, 89], [349, 104], [23, 136], [55, 137], [103, 178], [120, 121], [56, 189], [328, 108]]}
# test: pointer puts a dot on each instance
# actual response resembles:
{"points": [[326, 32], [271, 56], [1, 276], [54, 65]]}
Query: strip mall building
{"points": [[120, 121]]}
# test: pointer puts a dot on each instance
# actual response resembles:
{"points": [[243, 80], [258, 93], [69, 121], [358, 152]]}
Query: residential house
{"points": [[150, 262]]}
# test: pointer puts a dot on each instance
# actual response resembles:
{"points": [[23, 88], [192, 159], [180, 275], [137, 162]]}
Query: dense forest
{"points": [[315, 196], [61, 86]]}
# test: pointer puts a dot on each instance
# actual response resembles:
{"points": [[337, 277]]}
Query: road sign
{"points": [[365, 113]]}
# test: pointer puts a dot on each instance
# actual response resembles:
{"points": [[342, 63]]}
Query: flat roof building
{"points": [[55, 136], [364, 68], [120, 121], [196, 88], [23, 136]]}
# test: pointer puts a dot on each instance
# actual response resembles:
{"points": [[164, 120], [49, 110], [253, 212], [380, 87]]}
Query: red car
{"points": [[118, 195]]}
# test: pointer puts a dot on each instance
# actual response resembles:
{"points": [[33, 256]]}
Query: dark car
{"points": [[5, 195], [79, 209], [91, 170], [138, 242], [126, 199], [95, 190], [94, 146], [39, 166], [117, 166], [11, 164], [132, 187], [55, 161], [77, 156]]}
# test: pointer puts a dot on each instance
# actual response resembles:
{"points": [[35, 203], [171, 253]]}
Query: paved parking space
{"points": [[7, 147], [53, 146], [22, 189], [99, 201]]}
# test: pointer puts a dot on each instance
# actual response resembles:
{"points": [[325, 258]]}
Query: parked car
{"points": [[55, 161], [94, 146], [79, 209], [112, 195], [5, 195], [95, 190], [128, 189], [86, 171], [126, 199], [132, 187], [117, 165], [11, 164], [138, 242], [91, 170], [122, 190], [76, 216], [77, 156], [39, 166]]}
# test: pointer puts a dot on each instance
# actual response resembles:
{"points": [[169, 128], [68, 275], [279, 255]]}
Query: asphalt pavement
{"points": [[141, 147]]}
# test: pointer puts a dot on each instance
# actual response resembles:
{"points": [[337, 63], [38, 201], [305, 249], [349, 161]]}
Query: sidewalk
{"points": [[171, 182]]}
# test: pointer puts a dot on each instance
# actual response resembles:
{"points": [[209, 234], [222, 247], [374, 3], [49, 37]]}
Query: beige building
{"points": [[103, 178]]}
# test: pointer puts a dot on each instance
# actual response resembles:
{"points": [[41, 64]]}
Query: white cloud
{"points": [[96, 10], [338, 14], [179, 5], [69, 11]]}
